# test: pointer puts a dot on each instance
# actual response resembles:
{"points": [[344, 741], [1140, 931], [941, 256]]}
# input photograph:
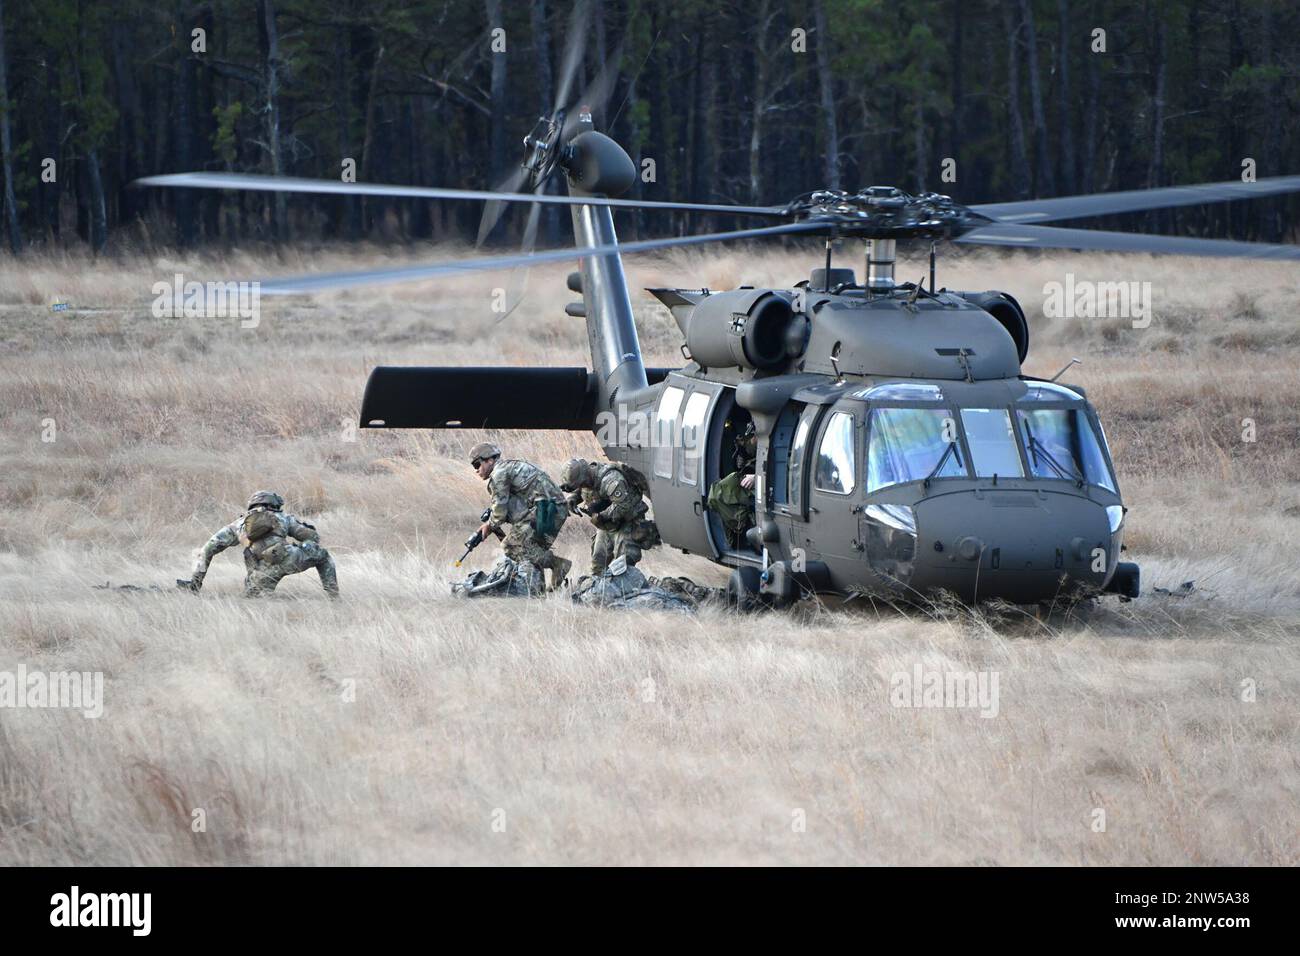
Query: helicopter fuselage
{"points": [[917, 460]]}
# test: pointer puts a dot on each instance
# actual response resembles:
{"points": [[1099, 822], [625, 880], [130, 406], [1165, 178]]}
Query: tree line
{"points": [[747, 101]]}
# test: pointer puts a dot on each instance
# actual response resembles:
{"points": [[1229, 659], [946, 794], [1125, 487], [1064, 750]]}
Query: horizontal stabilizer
{"points": [[469, 397]]}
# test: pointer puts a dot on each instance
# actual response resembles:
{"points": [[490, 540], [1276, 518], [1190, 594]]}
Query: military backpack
{"points": [[636, 481], [258, 523]]}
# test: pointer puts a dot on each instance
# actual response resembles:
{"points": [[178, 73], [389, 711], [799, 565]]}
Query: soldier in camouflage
{"points": [[524, 497], [732, 498], [275, 545], [612, 496]]}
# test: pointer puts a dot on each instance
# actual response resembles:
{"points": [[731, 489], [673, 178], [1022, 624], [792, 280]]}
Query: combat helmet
{"points": [[575, 474], [265, 499], [484, 449]]}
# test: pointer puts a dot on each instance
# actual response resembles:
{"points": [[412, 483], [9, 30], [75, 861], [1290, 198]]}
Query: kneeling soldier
{"points": [[275, 546], [612, 495], [524, 497]]}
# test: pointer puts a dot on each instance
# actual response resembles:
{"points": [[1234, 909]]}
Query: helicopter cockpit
{"points": [[915, 479]]}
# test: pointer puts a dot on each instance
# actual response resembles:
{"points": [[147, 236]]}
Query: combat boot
{"points": [[328, 575], [559, 571]]}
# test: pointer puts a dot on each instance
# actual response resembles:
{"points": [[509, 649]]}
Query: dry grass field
{"points": [[401, 725]]}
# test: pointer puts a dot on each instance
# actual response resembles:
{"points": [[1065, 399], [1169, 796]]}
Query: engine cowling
{"points": [[744, 328], [1009, 314]]}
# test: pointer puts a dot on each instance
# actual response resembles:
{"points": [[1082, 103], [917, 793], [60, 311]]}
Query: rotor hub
{"points": [[886, 212], [542, 149]]}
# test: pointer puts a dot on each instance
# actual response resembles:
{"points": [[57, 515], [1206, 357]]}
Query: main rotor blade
{"points": [[493, 209], [518, 282], [595, 96], [1052, 237], [1135, 200], [347, 280], [292, 184], [574, 44]]}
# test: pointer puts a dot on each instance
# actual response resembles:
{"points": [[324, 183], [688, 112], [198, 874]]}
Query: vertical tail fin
{"points": [[596, 165]]}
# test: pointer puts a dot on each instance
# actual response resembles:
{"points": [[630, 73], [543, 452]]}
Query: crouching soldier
{"points": [[524, 497], [275, 546], [612, 496]]}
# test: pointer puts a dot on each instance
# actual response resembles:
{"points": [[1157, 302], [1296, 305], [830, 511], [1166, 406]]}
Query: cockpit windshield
{"points": [[992, 442], [1061, 443], [1030, 439], [912, 444]]}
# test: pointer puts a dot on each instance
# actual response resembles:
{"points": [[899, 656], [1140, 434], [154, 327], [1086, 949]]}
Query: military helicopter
{"points": [[901, 449]]}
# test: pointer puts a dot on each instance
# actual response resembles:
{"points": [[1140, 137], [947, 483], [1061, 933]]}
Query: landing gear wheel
{"points": [[742, 589], [1075, 609], [1081, 611]]}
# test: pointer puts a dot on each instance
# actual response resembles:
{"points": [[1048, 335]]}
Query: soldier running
{"points": [[612, 496], [524, 497], [275, 545]]}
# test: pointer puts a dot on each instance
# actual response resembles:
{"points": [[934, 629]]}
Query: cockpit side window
{"points": [[836, 462], [796, 473]]}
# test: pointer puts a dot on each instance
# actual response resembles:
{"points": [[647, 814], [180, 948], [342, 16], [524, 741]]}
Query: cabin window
{"points": [[835, 458], [912, 444], [992, 442], [693, 437], [1061, 443], [665, 432]]}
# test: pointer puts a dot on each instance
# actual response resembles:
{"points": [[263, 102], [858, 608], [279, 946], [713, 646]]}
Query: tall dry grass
{"points": [[400, 725]]}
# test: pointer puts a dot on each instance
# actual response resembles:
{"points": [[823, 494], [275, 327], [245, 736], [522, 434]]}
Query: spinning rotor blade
{"points": [[1135, 200], [292, 184], [493, 208], [1052, 237], [574, 44], [347, 280], [518, 283], [595, 96]]}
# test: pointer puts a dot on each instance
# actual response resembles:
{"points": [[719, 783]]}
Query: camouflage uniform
{"points": [[517, 487], [290, 547], [731, 501], [616, 508]]}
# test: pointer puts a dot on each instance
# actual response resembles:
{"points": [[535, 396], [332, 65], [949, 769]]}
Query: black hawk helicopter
{"points": [[901, 450]]}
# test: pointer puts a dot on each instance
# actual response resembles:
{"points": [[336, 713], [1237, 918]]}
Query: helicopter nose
{"points": [[1020, 545]]}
